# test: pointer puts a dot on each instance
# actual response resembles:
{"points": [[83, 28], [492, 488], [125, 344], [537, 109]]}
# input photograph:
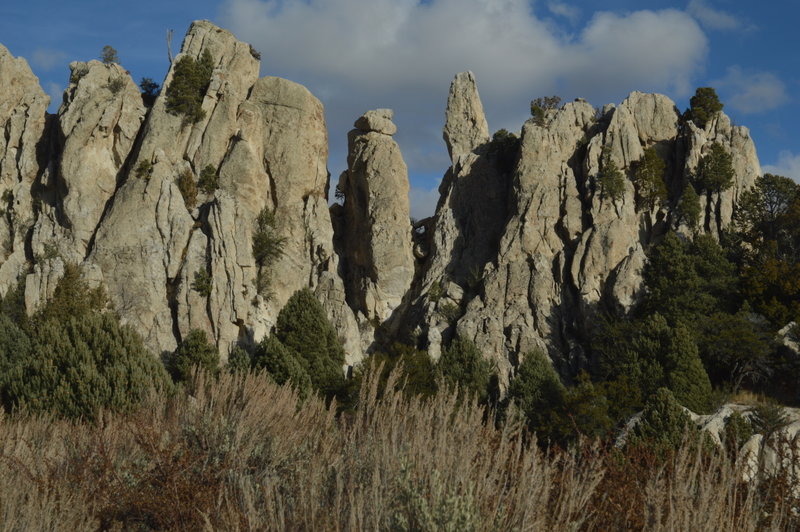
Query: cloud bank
{"points": [[752, 92], [788, 165], [711, 18], [357, 55]]}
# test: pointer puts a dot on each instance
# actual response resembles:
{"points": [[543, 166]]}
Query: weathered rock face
{"points": [[523, 251], [737, 141], [97, 125], [465, 233], [23, 159], [111, 199], [378, 261], [562, 251]]}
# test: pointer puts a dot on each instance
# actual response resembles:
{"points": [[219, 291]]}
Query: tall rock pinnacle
{"points": [[377, 240]]}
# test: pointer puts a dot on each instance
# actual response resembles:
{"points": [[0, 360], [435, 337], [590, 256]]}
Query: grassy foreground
{"points": [[241, 453]]}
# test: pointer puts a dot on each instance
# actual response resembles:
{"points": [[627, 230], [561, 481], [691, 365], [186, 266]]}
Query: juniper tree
{"points": [[715, 170], [704, 105], [610, 178], [303, 329], [463, 365], [77, 365], [649, 179], [194, 351]]}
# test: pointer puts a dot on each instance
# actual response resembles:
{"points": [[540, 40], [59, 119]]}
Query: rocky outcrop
{"points": [[377, 256], [554, 250], [737, 141], [97, 126], [115, 196], [24, 158], [523, 251], [465, 234]]}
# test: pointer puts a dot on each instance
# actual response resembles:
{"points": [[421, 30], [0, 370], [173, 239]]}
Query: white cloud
{"points": [[48, 59], [752, 92], [357, 55], [711, 18], [56, 93], [562, 9], [423, 202], [788, 165]]}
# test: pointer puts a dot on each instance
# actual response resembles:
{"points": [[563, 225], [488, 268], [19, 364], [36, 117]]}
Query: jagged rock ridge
{"points": [[519, 255]]}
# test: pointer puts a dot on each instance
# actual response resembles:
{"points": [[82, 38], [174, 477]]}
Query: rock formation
{"points": [[547, 249], [23, 160], [107, 182], [376, 233], [523, 250]]}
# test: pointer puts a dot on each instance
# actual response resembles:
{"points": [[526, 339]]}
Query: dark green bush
{"points": [[462, 365], [208, 180], [239, 361], [663, 423], [194, 351], [536, 389], [188, 188], [75, 366], [303, 329], [188, 87], [267, 248], [282, 365]]}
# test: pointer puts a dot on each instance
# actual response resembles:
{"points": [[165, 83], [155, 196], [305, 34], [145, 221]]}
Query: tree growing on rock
{"points": [[540, 106], [610, 178], [150, 90], [109, 55], [504, 149], [689, 211], [715, 170], [648, 177], [267, 248], [188, 87], [703, 106]]}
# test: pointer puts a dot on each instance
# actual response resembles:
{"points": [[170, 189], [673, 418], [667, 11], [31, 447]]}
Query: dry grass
{"points": [[748, 398], [243, 454]]}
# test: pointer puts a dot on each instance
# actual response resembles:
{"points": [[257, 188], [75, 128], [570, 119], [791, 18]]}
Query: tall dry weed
{"points": [[245, 454]]}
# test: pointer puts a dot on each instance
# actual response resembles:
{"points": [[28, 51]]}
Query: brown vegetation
{"points": [[245, 454]]}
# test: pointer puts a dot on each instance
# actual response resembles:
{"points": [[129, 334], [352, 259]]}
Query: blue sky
{"points": [[361, 54]]}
